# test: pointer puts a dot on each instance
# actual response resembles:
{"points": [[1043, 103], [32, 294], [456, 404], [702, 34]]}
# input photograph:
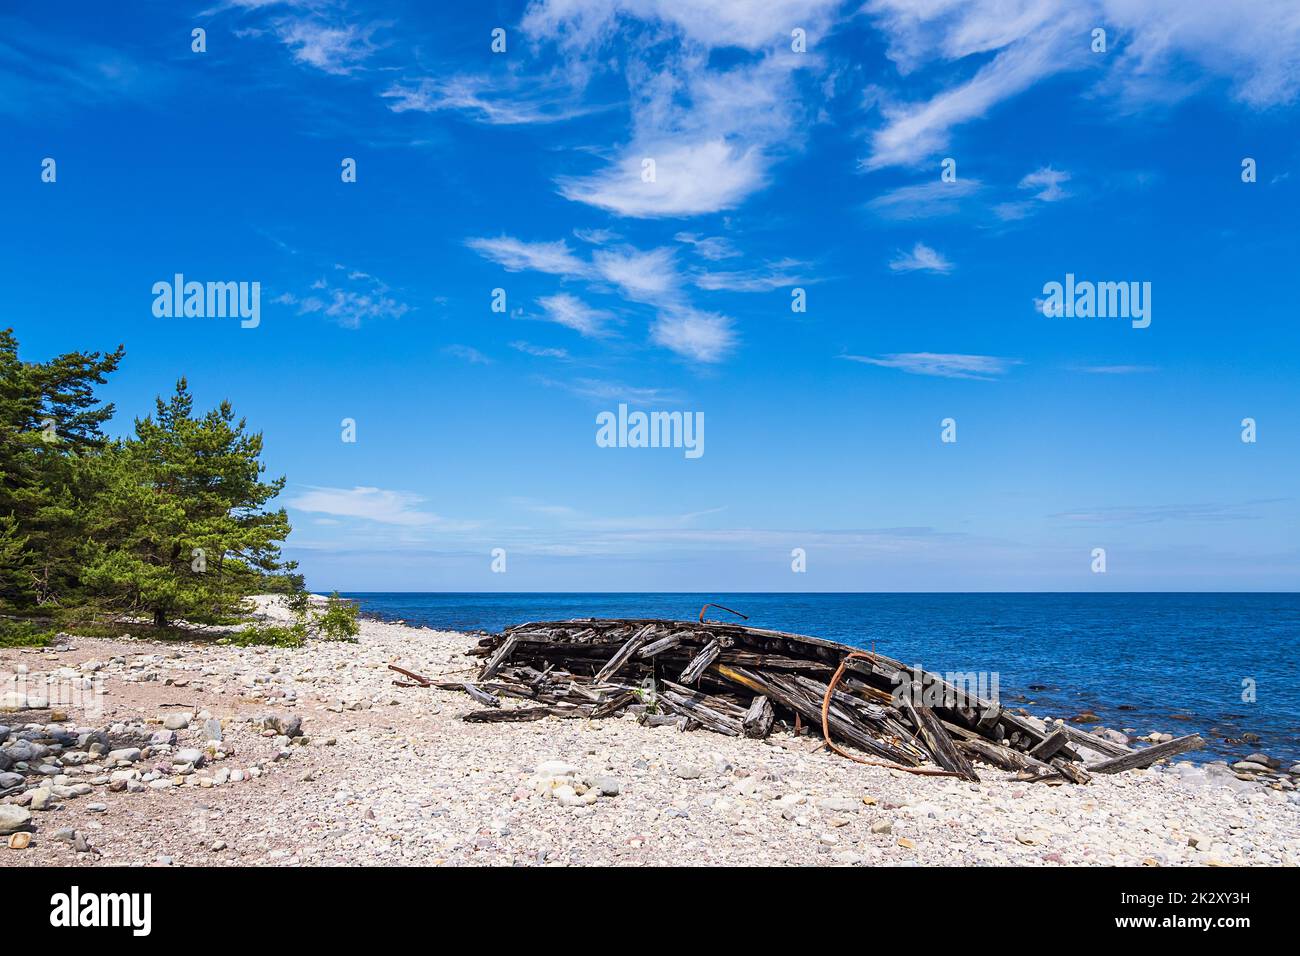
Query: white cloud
{"points": [[712, 248], [467, 354], [642, 276], [488, 98], [1254, 44], [699, 336], [573, 313], [1048, 183], [690, 179], [596, 237], [603, 390], [365, 299], [924, 200], [1159, 50], [334, 49], [517, 255], [775, 275], [921, 259], [1118, 369], [913, 132], [371, 504], [538, 351], [985, 367], [713, 131], [750, 24]]}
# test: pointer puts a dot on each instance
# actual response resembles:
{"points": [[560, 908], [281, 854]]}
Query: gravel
{"points": [[393, 776]]}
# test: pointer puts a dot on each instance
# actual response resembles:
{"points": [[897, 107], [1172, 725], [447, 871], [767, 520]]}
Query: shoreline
{"points": [[377, 774], [1044, 698]]}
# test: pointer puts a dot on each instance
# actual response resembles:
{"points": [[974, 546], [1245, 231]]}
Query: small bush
{"points": [[339, 620], [268, 635], [25, 634]]}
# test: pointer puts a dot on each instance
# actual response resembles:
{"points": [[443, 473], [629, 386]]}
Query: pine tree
{"points": [[50, 422], [178, 527]]}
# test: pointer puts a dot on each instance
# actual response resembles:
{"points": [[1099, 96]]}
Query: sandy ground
{"points": [[391, 775]]}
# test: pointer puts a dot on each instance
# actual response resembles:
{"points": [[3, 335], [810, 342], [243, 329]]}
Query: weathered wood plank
{"points": [[757, 722], [1000, 756], [482, 696], [701, 713], [1085, 738], [700, 663], [1146, 757], [503, 651], [1050, 745], [624, 654], [938, 742]]}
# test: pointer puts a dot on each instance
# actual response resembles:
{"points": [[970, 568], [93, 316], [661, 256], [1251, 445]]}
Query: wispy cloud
{"points": [[1048, 183], [467, 353], [690, 179], [921, 259], [573, 313], [712, 248], [349, 297], [371, 504], [518, 255], [496, 99], [609, 391], [775, 275], [705, 337], [339, 48], [538, 351], [942, 365], [924, 200], [713, 132], [642, 276], [1154, 514], [1118, 369]]}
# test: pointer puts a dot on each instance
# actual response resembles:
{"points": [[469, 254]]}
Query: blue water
{"points": [[1177, 660]]}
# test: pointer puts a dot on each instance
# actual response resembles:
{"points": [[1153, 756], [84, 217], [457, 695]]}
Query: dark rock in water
{"points": [[1087, 717], [1180, 717], [1127, 707], [1266, 760], [1038, 687]]}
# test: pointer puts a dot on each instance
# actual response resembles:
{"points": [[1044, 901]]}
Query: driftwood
{"points": [[939, 742], [757, 722], [732, 679], [1145, 758]]}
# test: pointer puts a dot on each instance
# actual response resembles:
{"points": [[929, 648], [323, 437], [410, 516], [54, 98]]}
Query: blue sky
{"points": [[774, 170]]}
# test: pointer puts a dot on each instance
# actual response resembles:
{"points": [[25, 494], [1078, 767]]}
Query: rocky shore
{"points": [[127, 752]]}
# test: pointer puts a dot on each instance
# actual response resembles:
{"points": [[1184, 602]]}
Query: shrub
{"points": [[268, 635], [24, 634], [339, 620]]}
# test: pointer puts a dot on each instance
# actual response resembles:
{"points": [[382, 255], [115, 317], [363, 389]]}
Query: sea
{"points": [[1222, 665]]}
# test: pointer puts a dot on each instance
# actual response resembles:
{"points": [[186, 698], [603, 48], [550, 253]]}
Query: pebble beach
{"points": [[212, 755]]}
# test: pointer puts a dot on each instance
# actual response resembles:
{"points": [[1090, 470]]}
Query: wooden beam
{"points": [[1100, 744], [1149, 755], [623, 655], [503, 651], [758, 720], [937, 741], [1050, 745], [700, 663], [483, 697]]}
